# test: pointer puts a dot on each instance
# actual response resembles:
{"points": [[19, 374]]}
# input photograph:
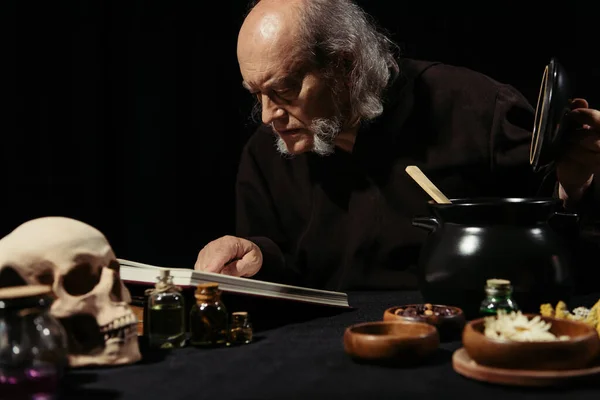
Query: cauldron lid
{"points": [[552, 107]]}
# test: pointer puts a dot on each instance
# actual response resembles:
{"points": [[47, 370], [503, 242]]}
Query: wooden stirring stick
{"points": [[426, 184]]}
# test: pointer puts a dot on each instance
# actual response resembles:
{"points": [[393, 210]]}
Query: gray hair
{"points": [[346, 45]]}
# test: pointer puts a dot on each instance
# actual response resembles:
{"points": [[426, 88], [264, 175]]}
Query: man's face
{"points": [[296, 101]]}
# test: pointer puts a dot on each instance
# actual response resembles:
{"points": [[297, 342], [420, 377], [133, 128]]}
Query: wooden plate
{"points": [[464, 365]]}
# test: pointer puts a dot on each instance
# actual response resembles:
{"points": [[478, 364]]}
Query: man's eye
{"points": [[286, 94]]}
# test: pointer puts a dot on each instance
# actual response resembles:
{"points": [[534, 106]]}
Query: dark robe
{"points": [[343, 221]]}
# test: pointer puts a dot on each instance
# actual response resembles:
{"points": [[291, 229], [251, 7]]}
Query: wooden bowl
{"points": [[391, 342], [450, 327], [580, 351]]}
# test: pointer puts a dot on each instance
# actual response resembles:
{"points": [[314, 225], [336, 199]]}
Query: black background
{"points": [[130, 115]]}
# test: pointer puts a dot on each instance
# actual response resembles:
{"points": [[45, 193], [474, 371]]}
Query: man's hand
{"points": [[230, 255], [576, 169]]}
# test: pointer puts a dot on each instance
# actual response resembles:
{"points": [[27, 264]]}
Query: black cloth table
{"points": [[298, 360]]}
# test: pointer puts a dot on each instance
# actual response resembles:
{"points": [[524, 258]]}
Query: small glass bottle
{"points": [[241, 328], [208, 317], [498, 297], [166, 314]]}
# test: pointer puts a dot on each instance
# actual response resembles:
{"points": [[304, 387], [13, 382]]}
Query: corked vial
{"points": [[208, 317], [241, 328], [166, 313], [498, 297]]}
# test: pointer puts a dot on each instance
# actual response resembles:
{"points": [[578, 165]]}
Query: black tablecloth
{"points": [[298, 360]]}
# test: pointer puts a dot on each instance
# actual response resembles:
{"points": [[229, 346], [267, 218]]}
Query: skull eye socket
{"points": [[10, 277], [115, 291], [46, 277], [81, 279]]}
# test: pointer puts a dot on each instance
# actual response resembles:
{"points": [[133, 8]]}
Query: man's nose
{"points": [[270, 110]]}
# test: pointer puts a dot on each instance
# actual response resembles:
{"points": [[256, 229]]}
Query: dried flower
{"points": [[516, 326]]}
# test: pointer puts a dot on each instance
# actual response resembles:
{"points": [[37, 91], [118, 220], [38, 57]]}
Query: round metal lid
{"points": [[550, 122]]}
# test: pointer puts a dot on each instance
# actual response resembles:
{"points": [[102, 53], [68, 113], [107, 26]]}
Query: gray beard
{"points": [[324, 130]]}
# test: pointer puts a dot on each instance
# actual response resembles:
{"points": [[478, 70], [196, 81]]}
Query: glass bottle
{"points": [[208, 317], [33, 344], [498, 297], [166, 314], [241, 328]]}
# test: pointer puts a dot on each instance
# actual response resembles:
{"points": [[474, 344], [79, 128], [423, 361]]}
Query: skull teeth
{"points": [[122, 333], [127, 321]]}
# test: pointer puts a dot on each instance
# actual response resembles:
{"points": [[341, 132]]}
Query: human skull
{"points": [[91, 301]]}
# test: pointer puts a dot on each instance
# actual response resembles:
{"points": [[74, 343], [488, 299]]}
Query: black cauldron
{"points": [[525, 240]]}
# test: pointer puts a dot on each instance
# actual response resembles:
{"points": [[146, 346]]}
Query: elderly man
{"points": [[322, 196]]}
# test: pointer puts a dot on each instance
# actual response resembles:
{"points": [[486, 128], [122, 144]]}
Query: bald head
{"points": [[270, 26]]}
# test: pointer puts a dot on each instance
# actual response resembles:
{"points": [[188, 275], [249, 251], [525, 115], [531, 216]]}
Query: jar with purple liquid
{"points": [[33, 350]]}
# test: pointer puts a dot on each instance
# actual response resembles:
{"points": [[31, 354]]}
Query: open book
{"points": [[135, 272]]}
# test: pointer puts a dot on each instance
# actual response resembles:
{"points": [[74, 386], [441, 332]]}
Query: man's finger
{"points": [[579, 103], [213, 260], [234, 268], [586, 116], [247, 266], [586, 138], [243, 247], [583, 157]]}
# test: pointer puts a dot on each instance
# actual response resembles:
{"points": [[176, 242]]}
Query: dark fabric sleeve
{"points": [[256, 220], [510, 148]]}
